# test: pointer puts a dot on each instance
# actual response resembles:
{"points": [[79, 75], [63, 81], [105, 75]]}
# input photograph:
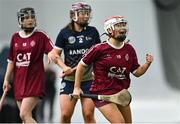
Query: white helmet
{"points": [[110, 22]]}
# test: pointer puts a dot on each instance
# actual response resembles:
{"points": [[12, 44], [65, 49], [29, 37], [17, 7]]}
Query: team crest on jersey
{"points": [[127, 57], [32, 43], [71, 39], [16, 45]]}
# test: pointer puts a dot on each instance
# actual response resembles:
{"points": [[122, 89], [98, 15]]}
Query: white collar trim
{"points": [[115, 47], [21, 34]]}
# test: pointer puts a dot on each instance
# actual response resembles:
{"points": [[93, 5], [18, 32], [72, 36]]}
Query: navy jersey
{"points": [[75, 44]]}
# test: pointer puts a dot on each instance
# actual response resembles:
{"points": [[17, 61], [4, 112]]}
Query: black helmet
{"points": [[28, 11]]}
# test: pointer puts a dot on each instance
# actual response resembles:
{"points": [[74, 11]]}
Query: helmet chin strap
{"points": [[76, 17], [82, 24], [121, 38], [28, 30]]}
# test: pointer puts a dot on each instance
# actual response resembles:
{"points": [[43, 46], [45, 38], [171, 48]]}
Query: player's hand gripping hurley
{"points": [[122, 98]]}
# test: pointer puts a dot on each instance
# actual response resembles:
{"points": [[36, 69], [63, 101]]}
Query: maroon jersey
{"points": [[112, 67], [26, 53]]}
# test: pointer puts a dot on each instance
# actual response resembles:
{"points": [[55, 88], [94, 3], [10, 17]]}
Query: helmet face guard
{"points": [[22, 14], [112, 21], [116, 23], [77, 8]]}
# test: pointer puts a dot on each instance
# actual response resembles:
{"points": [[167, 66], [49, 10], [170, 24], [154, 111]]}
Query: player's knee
{"points": [[122, 121], [88, 117], [23, 115], [65, 118]]}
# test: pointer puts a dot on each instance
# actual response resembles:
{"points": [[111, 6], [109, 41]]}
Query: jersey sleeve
{"points": [[10, 53], [48, 45], [60, 40], [135, 64], [90, 56], [97, 36]]}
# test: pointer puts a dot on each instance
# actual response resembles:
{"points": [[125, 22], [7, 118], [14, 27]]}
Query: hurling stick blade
{"points": [[122, 98]]}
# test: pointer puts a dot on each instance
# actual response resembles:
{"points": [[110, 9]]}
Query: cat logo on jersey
{"points": [[23, 59], [32, 43], [71, 39]]}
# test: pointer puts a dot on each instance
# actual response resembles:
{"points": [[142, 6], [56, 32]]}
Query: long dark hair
{"points": [[70, 25]]}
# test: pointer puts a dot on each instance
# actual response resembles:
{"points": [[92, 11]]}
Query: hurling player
{"points": [[113, 61], [74, 40], [25, 63]]}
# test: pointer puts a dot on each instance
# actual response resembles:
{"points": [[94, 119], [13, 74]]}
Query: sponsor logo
{"points": [[24, 44], [23, 59], [88, 38], [118, 56], [77, 52], [108, 56], [117, 72]]}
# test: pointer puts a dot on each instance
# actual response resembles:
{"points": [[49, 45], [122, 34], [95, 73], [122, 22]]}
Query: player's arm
{"points": [[9, 70], [143, 68], [78, 77], [55, 56]]}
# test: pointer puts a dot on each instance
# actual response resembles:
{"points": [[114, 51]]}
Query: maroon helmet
{"points": [[77, 7]]}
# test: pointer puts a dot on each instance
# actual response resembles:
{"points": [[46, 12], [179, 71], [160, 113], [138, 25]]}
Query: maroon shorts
{"points": [[100, 103]]}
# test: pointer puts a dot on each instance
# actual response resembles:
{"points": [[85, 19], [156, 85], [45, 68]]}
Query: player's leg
{"points": [[67, 104], [19, 104], [112, 113], [87, 104], [88, 110], [27, 105], [40, 110], [19, 107], [126, 112]]}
